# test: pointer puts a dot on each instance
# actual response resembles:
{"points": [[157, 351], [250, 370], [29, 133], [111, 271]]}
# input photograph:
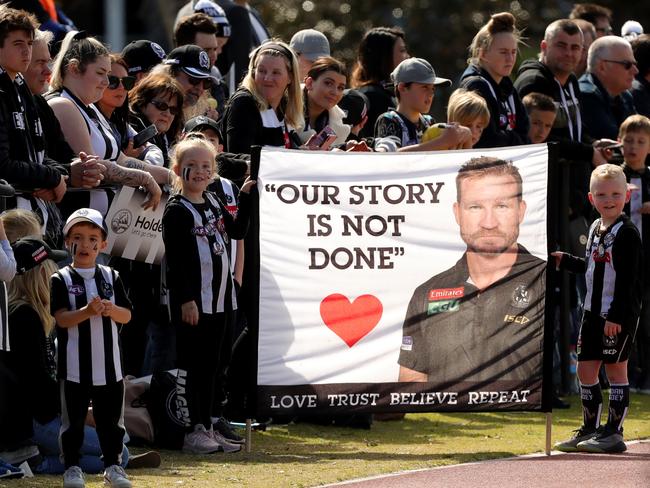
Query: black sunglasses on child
{"points": [[127, 82], [207, 82], [162, 106]]}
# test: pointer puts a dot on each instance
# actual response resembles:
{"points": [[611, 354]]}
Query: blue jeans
{"points": [[46, 437]]}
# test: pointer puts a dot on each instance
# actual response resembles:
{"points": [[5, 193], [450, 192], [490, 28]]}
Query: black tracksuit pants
{"points": [[108, 411]]}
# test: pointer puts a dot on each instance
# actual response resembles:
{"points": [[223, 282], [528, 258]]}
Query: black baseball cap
{"points": [[140, 56], [355, 105], [191, 59], [200, 122], [30, 252]]}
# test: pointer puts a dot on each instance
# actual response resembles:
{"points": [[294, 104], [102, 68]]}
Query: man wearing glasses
{"points": [[190, 66], [606, 100]]}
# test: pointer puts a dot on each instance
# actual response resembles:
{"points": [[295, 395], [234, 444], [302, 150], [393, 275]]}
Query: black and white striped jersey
{"points": [[197, 241], [228, 193], [90, 352], [613, 269]]}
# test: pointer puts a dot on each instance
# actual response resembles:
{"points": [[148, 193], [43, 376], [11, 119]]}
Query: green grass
{"points": [[303, 455]]}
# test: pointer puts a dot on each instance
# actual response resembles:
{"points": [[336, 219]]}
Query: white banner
{"points": [[135, 233], [348, 240]]}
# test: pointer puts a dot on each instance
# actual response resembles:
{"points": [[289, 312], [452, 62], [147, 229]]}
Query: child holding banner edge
{"points": [[197, 229], [614, 278]]}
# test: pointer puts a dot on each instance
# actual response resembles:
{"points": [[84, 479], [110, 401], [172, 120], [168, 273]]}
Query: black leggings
{"points": [[198, 348]]}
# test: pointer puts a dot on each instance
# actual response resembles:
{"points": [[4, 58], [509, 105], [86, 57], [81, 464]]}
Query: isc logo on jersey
{"points": [[444, 300]]}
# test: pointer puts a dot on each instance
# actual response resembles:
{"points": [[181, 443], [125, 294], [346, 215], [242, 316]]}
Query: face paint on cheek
{"points": [[186, 173], [73, 249], [95, 246]]}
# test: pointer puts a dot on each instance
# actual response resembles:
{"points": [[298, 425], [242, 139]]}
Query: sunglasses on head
{"points": [[162, 106], [127, 82], [626, 64], [207, 82]]}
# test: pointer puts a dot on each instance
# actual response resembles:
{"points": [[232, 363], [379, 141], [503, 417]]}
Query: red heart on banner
{"points": [[351, 321]]}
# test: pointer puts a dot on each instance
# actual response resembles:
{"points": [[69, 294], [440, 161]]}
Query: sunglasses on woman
{"points": [[162, 106], [127, 82], [207, 82]]}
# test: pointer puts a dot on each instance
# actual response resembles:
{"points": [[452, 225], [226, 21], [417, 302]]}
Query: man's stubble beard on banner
{"points": [[498, 242]]}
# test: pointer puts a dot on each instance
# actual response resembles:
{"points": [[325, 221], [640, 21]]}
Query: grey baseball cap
{"points": [[417, 70], [310, 43]]}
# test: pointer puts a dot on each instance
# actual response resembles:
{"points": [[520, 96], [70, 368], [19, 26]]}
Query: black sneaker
{"points": [[607, 440], [579, 435], [223, 427]]}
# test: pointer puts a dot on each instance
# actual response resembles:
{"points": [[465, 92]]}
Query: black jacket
{"points": [[497, 133], [534, 76], [18, 147], [603, 114], [380, 100], [56, 147], [641, 93], [242, 126], [28, 373]]}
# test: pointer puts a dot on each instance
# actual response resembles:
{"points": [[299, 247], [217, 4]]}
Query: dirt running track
{"points": [[626, 470]]}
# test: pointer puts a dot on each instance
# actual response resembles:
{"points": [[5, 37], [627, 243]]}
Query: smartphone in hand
{"points": [[145, 135], [323, 136]]}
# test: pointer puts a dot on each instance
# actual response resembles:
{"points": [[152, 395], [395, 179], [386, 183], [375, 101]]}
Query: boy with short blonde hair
{"points": [[614, 277], [634, 134], [469, 109]]}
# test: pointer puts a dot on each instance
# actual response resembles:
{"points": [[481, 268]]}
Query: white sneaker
{"points": [[115, 477], [200, 441], [224, 444], [73, 478]]}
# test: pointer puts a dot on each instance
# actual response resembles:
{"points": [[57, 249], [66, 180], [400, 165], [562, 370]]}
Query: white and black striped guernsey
{"points": [[613, 262], [198, 255], [104, 145], [90, 352], [228, 192]]}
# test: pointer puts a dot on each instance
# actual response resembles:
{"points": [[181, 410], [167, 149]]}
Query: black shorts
{"points": [[594, 345]]}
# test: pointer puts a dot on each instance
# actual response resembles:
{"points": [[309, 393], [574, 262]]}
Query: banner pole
{"points": [[549, 424], [249, 435]]}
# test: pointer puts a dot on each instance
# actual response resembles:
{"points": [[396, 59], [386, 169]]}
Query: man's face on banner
{"points": [[489, 212]]}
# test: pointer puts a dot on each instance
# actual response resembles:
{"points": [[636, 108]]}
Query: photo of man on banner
{"points": [[480, 320]]}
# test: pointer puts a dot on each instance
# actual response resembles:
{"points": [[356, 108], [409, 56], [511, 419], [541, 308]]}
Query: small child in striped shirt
{"points": [[88, 301]]}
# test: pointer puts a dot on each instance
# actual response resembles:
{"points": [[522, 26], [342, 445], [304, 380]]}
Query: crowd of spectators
{"points": [[70, 138]]}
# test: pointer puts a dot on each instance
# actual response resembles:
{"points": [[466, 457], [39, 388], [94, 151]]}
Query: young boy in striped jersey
{"points": [[614, 274], [634, 134], [88, 301]]}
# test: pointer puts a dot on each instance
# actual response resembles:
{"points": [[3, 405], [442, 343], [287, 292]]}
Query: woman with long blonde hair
{"points": [[267, 108]]}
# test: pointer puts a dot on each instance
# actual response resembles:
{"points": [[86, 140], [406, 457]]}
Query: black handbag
{"points": [[168, 410]]}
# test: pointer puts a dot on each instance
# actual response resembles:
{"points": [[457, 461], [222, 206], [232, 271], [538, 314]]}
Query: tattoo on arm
{"points": [[134, 164], [127, 176]]}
